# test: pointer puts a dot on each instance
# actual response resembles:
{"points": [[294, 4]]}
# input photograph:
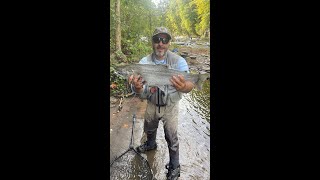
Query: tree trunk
{"points": [[150, 24], [118, 52], [118, 26]]}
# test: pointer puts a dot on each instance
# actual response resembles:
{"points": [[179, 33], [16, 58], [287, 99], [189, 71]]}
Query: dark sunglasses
{"points": [[157, 39]]}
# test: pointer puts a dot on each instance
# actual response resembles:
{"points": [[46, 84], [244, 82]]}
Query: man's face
{"points": [[160, 45]]}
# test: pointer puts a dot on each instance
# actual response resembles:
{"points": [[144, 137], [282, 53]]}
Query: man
{"points": [[163, 105]]}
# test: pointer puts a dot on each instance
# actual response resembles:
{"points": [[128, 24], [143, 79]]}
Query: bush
{"points": [[118, 83], [135, 49]]}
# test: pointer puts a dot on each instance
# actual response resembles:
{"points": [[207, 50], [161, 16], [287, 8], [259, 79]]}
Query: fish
{"points": [[160, 75]]}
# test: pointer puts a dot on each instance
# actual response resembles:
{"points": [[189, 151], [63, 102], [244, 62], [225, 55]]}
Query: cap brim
{"points": [[163, 33]]}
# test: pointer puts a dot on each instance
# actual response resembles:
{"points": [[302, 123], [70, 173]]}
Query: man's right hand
{"points": [[136, 81]]}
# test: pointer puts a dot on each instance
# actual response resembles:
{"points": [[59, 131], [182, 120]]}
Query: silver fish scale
{"points": [[160, 75]]}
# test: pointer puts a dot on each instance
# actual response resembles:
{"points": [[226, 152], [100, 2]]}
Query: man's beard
{"points": [[159, 54]]}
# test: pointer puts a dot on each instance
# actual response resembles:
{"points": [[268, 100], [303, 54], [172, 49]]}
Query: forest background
{"points": [[132, 23]]}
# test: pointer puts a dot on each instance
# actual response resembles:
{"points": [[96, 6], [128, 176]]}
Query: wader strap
{"points": [[158, 97]]}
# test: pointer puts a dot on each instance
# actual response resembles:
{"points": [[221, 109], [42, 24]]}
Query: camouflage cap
{"points": [[161, 30]]}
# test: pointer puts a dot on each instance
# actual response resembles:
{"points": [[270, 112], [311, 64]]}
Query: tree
{"points": [[203, 11], [119, 54], [131, 26], [182, 17]]}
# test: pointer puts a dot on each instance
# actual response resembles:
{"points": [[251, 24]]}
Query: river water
{"points": [[194, 141]]}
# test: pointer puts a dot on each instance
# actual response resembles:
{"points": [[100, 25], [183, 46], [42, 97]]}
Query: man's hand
{"points": [[136, 81], [178, 82], [181, 84]]}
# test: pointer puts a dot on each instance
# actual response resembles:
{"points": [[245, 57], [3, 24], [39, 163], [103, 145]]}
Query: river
{"points": [[194, 140]]}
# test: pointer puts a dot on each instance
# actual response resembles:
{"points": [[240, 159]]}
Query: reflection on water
{"points": [[194, 133], [199, 101]]}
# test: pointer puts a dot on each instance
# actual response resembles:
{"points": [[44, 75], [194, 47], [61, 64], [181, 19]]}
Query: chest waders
{"points": [[158, 89], [170, 94]]}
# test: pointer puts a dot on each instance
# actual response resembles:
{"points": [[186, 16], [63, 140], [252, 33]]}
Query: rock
{"points": [[113, 100], [183, 55], [178, 43], [206, 68]]}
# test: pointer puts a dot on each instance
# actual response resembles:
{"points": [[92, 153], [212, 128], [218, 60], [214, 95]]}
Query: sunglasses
{"points": [[157, 39]]}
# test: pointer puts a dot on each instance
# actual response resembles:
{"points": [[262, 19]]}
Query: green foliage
{"points": [[138, 50], [135, 49], [120, 82], [187, 13], [172, 46], [173, 19], [188, 17], [203, 11], [140, 17]]}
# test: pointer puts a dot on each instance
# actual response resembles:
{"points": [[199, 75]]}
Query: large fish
{"points": [[160, 75]]}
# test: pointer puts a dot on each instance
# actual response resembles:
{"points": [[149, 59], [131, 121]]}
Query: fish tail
{"points": [[202, 78]]}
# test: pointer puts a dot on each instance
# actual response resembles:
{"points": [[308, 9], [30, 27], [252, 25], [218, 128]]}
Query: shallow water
{"points": [[194, 140]]}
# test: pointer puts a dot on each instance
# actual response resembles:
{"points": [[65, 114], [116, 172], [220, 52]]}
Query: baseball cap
{"points": [[161, 30]]}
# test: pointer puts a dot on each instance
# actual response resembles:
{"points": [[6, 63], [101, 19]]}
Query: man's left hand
{"points": [[178, 82]]}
